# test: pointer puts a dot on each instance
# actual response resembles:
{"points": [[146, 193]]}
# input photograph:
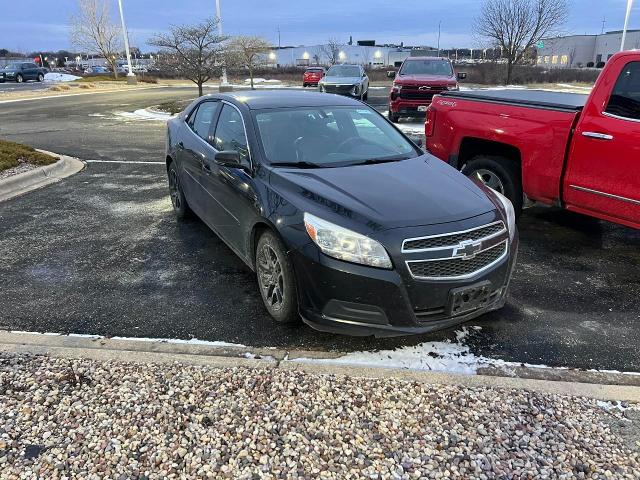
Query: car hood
{"points": [[341, 80], [425, 79], [416, 192]]}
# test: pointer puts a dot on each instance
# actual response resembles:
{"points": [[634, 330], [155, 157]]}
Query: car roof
{"points": [[411, 59], [260, 99]]}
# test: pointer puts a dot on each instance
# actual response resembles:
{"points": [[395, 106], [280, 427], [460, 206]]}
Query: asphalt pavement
{"points": [[102, 253], [23, 87]]}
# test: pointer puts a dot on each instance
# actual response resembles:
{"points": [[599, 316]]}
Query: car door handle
{"points": [[599, 136]]}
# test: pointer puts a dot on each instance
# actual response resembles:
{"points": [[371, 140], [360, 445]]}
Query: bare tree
{"points": [[516, 25], [196, 52], [248, 52], [331, 50], [93, 30]]}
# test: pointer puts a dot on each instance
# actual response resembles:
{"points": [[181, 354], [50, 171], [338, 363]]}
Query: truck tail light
{"points": [[430, 122]]}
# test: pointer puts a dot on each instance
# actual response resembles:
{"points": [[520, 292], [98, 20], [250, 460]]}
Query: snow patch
{"points": [[60, 77], [261, 80], [144, 114], [609, 406]]}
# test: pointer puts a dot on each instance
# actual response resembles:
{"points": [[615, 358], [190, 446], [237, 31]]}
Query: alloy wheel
{"points": [[491, 180], [270, 277], [174, 189]]}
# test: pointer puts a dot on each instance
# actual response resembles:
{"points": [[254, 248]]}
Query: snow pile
{"points": [[261, 80], [60, 77], [444, 356]]}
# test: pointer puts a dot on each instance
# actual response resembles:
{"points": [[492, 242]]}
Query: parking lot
{"points": [[102, 253]]}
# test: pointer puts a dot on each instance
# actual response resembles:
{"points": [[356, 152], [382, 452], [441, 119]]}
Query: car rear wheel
{"points": [[40, 77], [394, 117], [500, 174], [276, 279], [178, 200], [19, 78]]}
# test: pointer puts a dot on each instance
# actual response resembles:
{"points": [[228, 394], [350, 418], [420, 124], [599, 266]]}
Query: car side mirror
{"points": [[461, 75], [228, 158], [391, 74]]}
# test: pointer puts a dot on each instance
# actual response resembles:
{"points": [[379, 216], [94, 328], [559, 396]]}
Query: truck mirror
{"points": [[462, 75], [391, 74]]}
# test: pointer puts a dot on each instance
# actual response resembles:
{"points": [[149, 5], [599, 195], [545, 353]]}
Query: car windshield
{"points": [[427, 67], [343, 71], [13, 66], [330, 137]]}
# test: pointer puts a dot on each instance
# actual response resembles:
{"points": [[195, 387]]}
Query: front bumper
{"points": [[340, 297], [403, 106], [350, 90]]}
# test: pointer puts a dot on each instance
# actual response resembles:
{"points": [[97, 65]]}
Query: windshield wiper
{"points": [[296, 164], [371, 161]]}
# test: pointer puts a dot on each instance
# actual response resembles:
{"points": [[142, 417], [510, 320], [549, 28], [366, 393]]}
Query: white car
{"points": [[349, 80]]}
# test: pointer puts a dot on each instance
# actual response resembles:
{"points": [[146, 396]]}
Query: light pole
{"points": [[224, 83], [439, 25], [626, 24], [131, 78]]}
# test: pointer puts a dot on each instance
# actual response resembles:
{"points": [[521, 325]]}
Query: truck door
{"points": [[603, 173]]}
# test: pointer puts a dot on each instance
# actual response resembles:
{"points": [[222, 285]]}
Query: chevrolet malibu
{"points": [[348, 225]]}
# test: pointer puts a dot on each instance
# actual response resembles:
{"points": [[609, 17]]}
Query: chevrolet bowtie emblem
{"points": [[467, 250], [424, 87]]}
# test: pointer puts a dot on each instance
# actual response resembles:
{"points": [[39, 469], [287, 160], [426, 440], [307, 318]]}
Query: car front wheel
{"points": [[179, 202], [19, 78], [276, 279], [40, 77]]}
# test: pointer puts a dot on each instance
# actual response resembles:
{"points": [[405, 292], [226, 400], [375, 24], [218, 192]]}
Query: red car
{"points": [[417, 81], [312, 76], [575, 151]]}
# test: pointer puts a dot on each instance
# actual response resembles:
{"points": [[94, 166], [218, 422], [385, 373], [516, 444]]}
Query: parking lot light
{"points": [[131, 78]]}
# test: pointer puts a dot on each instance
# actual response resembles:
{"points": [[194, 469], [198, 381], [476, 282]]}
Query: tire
{"points": [[502, 170], [365, 97], [304, 85], [19, 78], [276, 279], [40, 77], [394, 117], [178, 200]]}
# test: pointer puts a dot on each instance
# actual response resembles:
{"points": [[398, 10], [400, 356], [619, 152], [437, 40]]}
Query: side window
{"points": [[625, 98], [230, 133], [200, 121]]}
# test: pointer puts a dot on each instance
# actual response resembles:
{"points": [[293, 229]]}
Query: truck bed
{"points": [[526, 98]]}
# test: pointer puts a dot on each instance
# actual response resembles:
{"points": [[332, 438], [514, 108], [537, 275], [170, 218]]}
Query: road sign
{"points": [[540, 44]]}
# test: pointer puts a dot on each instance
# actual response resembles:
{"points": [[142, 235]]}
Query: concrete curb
{"points": [[39, 177], [103, 349]]}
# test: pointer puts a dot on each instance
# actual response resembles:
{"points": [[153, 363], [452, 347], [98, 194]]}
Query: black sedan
{"points": [[21, 72], [349, 225]]}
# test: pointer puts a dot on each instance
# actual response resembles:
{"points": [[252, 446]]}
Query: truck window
{"points": [[625, 98]]}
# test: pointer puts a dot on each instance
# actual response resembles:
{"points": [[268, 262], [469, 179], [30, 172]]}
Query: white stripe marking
{"points": [[125, 161]]}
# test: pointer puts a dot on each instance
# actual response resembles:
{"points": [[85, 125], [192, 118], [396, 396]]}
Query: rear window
{"points": [[314, 70]]}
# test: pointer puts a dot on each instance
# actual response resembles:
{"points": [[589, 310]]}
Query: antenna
{"points": [[604, 21]]}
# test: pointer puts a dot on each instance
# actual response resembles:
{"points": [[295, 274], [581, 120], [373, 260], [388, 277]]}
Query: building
{"points": [[367, 55], [577, 51]]}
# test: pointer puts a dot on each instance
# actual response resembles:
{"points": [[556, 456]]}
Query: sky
{"points": [[32, 25]]}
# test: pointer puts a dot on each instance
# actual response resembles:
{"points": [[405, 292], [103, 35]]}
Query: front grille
{"points": [[449, 240], [338, 88], [453, 268], [410, 92]]}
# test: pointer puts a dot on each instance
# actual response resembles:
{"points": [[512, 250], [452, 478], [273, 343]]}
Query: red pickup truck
{"points": [[576, 151], [417, 81]]}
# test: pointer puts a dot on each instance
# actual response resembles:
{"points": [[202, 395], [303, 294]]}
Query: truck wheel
{"points": [[365, 97], [500, 174], [276, 279], [394, 117]]}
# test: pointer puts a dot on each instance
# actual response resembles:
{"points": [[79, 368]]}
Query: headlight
{"points": [[343, 244], [510, 213]]}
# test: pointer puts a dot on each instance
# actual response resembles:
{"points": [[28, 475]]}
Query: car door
{"points": [[603, 174], [233, 187], [193, 147], [30, 71]]}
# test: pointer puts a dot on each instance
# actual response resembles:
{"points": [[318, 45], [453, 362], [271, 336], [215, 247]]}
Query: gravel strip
{"points": [[62, 418], [20, 168]]}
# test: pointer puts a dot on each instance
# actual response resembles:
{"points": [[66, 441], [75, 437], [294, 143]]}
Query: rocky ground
{"points": [[63, 418]]}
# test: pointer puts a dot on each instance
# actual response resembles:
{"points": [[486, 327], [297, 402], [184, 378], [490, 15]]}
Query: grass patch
{"points": [[173, 107], [13, 154], [60, 88], [101, 78]]}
